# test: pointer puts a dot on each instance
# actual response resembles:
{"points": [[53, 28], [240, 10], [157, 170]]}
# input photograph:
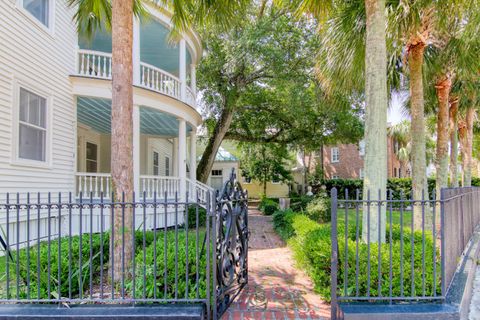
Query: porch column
{"points": [[182, 153], [136, 51], [183, 70], [193, 155], [193, 78], [136, 150], [175, 158]]}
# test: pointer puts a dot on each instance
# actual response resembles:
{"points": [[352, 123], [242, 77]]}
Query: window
{"points": [[92, 157], [335, 177], [247, 179], [32, 141], [399, 172], [155, 163], [275, 179], [167, 166], [335, 155], [361, 148], [217, 173], [39, 9], [395, 172], [362, 174]]}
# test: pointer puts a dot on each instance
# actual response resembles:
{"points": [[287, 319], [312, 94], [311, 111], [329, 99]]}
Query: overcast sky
{"points": [[395, 112]]}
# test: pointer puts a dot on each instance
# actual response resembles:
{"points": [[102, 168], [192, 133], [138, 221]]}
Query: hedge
{"points": [[311, 246], [396, 185]]}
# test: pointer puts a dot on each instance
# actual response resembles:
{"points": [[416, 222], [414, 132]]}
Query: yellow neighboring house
{"points": [[225, 161]]}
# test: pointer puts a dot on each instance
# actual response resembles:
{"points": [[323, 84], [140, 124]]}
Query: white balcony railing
{"points": [[94, 64], [93, 185], [158, 80]]}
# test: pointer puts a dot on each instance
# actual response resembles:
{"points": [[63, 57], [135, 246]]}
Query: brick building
{"points": [[346, 161]]}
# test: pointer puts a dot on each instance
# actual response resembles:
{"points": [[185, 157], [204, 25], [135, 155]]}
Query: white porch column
{"points": [[136, 51], [193, 78], [182, 157], [136, 150], [183, 70], [193, 155], [175, 158]]}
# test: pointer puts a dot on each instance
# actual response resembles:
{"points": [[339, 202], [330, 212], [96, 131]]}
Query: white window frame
{"points": [[361, 148], [16, 160], [51, 16], [335, 156], [152, 159], [361, 174], [167, 157]]}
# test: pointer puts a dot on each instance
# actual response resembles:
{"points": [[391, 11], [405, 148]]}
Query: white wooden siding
{"points": [[42, 61]]}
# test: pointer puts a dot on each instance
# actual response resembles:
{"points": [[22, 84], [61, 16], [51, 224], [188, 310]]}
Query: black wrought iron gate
{"points": [[231, 244]]}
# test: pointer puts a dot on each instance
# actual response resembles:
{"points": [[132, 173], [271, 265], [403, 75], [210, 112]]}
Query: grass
{"points": [[396, 216]]}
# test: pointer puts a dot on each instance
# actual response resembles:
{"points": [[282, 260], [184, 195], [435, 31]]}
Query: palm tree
{"points": [[118, 17], [354, 58], [401, 134]]}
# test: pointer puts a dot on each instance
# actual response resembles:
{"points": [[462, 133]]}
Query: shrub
{"points": [[312, 251], [300, 203], [282, 223], [192, 217], [173, 274], [268, 206], [319, 209]]}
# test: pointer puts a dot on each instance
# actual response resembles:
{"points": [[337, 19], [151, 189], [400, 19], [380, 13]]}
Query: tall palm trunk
{"points": [[443, 87], [375, 179], [122, 132], [467, 171], [453, 143], [419, 179], [462, 137]]}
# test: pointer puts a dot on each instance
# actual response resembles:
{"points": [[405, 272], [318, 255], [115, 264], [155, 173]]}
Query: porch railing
{"points": [[403, 250], [159, 186], [94, 184], [95, 64]]}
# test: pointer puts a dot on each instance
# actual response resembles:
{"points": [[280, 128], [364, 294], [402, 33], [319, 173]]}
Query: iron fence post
{"points": [[334, 257]]}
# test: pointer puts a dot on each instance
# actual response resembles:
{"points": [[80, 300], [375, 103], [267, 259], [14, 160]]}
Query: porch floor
{"points": [[276, 289]]}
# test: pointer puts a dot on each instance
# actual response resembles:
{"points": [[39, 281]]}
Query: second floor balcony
{"points": [[159, 63]]}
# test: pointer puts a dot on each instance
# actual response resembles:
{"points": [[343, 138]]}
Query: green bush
{"points": [[268, 206], [175, 273], [192, 217], [282, 223], [311, 247], [319, 209], [300, 203]]}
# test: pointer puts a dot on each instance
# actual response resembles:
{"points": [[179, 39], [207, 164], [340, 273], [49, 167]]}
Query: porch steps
{"points": [[104, 312]]}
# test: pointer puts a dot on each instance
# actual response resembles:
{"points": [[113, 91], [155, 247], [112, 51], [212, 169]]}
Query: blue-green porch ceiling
{"points": [[155, 48], [96, 113]]}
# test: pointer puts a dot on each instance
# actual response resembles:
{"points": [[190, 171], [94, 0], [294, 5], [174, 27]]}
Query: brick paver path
{"points": [[276, 289]]}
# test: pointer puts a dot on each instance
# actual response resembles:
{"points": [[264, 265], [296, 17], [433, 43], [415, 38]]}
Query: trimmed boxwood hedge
{"points": [[311, 246]]}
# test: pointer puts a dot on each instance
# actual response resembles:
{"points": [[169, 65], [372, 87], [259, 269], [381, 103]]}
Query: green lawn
{"points": [[396, 216]]}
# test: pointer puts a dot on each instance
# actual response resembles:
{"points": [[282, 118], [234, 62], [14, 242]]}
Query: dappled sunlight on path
{"points": [[276, 290]]}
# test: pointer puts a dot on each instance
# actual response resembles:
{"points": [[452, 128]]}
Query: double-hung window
{"points": [[32, 130], [39, 9], [167, 166], [335, 154]]}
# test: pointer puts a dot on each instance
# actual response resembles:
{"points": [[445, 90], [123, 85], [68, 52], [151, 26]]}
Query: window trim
{"points": [[15, 159], [169, 165], [153, 162], [50, 29], [332, 153], [98, 154]]}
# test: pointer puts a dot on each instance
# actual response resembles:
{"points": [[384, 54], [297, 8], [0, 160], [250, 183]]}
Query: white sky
{"points": [[395, 112]]}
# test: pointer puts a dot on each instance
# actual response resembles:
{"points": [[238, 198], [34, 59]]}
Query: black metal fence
{"points": [[61, 249], [399, 250]]}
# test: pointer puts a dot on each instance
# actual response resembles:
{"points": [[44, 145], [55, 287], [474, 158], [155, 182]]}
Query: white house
{"points": [[55, 96], [55, 104]]}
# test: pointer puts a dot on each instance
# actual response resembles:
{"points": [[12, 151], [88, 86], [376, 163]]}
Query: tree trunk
{"points": [[462, 137], [443, 87], [214, 142], [418, 156], [375, 179], [122, 133], [467, 171], [453, 143]]}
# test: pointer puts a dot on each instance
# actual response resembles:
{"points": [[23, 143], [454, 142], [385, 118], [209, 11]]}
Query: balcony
{"points": [[98, 65]]}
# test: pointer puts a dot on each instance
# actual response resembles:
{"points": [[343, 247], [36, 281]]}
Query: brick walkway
{"points": [[276, 290]]}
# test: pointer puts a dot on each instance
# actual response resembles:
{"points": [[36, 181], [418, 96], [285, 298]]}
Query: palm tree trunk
{"points": [[453, 143], [122, 132], [419, 177], [443, 87], [462, 137], [467, 171], [375, 179]]}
